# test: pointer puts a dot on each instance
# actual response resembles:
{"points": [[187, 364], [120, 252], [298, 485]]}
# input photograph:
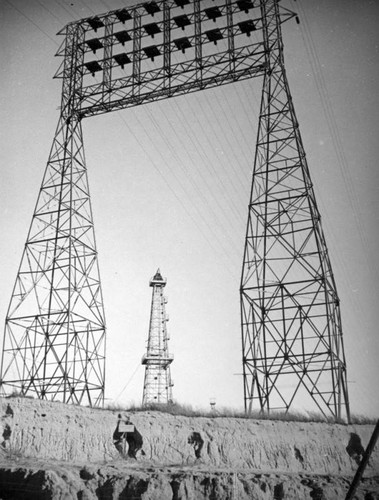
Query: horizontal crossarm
{"points": [[157, 50]]}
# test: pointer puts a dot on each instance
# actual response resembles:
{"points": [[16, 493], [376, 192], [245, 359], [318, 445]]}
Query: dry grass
{"points": [[189, 411]]}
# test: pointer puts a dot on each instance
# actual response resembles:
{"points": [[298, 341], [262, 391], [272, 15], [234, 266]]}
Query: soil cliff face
{"points": [[179, 458]]}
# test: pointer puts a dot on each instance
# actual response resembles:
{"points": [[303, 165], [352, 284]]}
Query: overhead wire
{"points": [[240, 138], [31, 21], [206, 198], [221, 243], [209, 228], [105, 5], [70, 13], [232, 171], [214, 130], [175, 194], [232, 133], [338, 147], [248, 98], [210, 145], [89, 8], [199, 148], [355, 300], [193, 139], [180, 161], [231, 179], [128, 382], [49, 11], [244, 106], [159, 131], [333, 128], [205, 135], [248, 110], [232, 162]]}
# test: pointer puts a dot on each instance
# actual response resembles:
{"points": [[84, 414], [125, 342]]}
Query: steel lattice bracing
{"points": [[291, 326], [162, 49], [54, 342], [157, 387]]}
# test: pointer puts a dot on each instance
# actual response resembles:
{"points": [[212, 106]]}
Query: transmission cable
{"points": [[30, 20], [356, 303], [71, 13], [206, 161], [201, 150], [128, 382], [332, 124], [173, 191], [230, 148], [49, 11], [180, 161]]}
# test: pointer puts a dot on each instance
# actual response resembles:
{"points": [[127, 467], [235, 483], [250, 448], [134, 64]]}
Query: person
{"points": [[135, 442], [119, 437], [126, 432]]}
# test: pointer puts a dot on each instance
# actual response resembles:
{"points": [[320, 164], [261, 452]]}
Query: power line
{"points": [[49, 11], [88, 7], [332, 125], [193, 139], [205, 155], [76, 16], [210, 228], [180, 160], [31, 21], [128, 382], [173, 191]]}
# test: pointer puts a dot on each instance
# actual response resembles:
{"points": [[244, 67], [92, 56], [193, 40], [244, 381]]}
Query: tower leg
{"points": [[54, 340], [290, 316]]}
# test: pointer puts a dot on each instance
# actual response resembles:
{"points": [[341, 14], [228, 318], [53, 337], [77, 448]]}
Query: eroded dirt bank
{"points": [[128, 482], [57, 451]]}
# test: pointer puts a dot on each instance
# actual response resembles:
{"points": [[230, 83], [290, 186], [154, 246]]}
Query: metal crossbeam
{"points": [[135, 62]]}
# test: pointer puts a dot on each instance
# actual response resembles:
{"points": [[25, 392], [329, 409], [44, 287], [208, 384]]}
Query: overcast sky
{"points": [[170, 185]]}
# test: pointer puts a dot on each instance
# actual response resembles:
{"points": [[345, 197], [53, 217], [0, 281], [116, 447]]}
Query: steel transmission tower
{"points": [[54, 341], [291, 324], [157, 387]]}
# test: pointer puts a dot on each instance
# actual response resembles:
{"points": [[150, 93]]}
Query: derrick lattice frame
{"points": [[157, 386], [291, 324]]}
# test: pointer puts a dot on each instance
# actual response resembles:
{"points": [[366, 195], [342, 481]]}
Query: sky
{"points": [[170, 184]]}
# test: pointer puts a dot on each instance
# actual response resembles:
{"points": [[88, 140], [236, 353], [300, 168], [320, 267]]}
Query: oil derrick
{"points": [[54, 340], [291, 324], [157, 387]]}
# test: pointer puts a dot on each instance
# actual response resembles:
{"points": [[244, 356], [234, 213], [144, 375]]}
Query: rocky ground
{"points": [[54, 451]]}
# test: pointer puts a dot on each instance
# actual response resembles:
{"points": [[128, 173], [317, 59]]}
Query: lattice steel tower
{"points": [[157, 386], [54, 342], [291, 325]]}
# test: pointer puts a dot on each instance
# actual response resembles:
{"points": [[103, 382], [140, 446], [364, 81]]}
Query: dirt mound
{"points": [[180, 457]]}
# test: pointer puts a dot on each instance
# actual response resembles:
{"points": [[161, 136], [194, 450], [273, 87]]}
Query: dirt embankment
{"points": [[69, 452]]}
